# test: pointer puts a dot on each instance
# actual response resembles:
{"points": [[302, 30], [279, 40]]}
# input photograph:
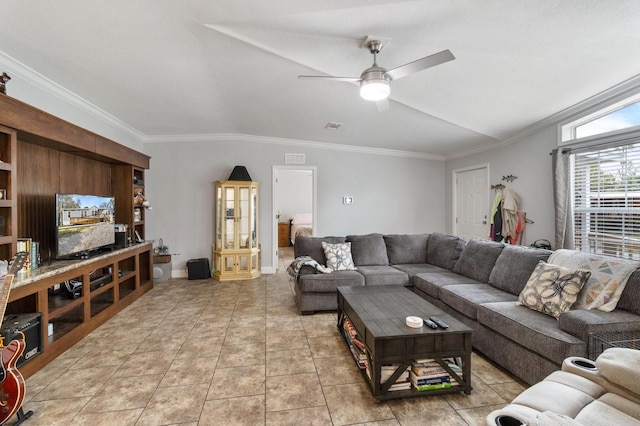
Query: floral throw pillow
{"points": [[338, 256], [552, 289]]}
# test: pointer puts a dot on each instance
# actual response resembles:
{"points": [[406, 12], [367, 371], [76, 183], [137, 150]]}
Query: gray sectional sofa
{"points": [[478, 282]]}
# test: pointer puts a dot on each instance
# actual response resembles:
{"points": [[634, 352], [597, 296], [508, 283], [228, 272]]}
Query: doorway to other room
{"points": [[294, 209]]}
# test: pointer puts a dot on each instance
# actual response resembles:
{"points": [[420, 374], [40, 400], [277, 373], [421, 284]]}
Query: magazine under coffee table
{"points": [[380, 337]]}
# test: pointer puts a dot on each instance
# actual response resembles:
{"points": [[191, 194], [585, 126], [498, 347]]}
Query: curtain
{"points": [[562, 199]]}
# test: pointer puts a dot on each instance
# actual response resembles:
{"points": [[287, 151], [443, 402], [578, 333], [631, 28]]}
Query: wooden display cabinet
{"points": [[41, 155], [8, 209], [128, 181], [236, 250], [106, 284]]}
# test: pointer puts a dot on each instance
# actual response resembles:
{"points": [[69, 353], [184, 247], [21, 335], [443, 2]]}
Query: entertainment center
{"points": [[43, 156]]}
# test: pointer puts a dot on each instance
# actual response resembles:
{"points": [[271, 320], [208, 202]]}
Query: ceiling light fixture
{"points": [[374, 83]]}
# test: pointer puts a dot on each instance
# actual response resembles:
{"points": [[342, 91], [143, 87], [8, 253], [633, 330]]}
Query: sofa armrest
{"points": [[581, 323]]}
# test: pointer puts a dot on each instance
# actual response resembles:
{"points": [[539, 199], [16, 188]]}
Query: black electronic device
{"points": [[14, 325], [430, 323], [439, 322]]}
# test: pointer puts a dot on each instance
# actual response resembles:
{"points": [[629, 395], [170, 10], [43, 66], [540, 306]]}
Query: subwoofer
{"points": [[30, 326]]}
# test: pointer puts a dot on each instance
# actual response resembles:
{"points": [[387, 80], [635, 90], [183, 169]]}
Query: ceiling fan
{"points": [[374, 81]]}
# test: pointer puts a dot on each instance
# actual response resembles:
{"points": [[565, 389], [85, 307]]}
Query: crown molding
{"points": [[17, 69], [236, 137]]}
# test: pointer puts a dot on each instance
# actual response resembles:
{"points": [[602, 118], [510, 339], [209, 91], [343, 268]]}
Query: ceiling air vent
{"points": [[294, 159], [332, 125]]}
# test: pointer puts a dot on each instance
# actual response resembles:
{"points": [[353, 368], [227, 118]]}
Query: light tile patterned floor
{"points": [[235, 353]]}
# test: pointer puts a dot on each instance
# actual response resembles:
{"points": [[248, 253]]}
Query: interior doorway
{"points": [[294, 200], [471, 202]]}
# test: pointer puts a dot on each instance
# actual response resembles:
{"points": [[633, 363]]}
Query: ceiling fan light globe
{"points": [[374, 89]]}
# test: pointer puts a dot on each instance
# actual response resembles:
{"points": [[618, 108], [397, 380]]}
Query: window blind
{"points": [[606, 200]]}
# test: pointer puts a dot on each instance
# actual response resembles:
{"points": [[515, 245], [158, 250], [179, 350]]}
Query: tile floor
{"points": [[236, 353]]}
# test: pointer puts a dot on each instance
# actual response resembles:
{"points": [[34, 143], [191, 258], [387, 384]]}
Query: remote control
{"points": [[440, 323], [430, 323]]}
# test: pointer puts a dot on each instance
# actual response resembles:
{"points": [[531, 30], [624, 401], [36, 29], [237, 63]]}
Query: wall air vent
{"points": [[294, 159]]}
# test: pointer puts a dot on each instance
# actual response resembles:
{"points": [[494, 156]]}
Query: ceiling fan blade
{"points": [[326, 77], [421, 64], [382, 105]]}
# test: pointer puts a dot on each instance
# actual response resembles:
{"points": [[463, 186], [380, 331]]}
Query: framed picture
{"points": [[3, 194]]}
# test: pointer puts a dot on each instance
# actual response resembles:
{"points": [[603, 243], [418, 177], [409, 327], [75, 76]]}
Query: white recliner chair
{"points": [[601, 393]]}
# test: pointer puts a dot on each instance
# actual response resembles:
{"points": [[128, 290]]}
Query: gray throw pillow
{"points": [[406, 249], [444, 250], [477, 259], [368, 250], [514, 267]]}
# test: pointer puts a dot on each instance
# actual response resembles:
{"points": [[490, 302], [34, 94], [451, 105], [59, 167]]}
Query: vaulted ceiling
{"points": [[169, 68]]}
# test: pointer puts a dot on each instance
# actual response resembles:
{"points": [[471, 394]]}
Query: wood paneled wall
{"points": [[43, 172]]}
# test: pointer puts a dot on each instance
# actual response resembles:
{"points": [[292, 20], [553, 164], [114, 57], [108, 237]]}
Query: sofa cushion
{"points": [[413, 269], [368, 249], [406, 249], [622, 367], [630, 298], [465, 298], [584, 323], [329, 283], [477, 259], [444, 250], [312, 246], [431, 282], [383, 275], [514, 267], [552, 289], [338, 256], [531, 329]]}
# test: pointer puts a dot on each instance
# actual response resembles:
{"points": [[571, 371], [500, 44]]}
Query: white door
{"points": [[471, 197]]}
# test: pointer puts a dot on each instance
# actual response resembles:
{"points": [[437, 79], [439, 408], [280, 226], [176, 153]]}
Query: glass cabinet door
{"points": [[229, 218], [243, 216], [254, 217], [219, 221]]}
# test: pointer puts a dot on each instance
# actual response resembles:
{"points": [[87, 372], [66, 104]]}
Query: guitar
{"points": [[12, 386]]}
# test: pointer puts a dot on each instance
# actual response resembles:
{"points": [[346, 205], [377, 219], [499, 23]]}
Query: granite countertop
{"points": [[56, 267]]}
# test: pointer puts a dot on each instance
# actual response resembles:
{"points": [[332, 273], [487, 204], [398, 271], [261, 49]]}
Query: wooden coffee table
{"points": [[378, 314]]}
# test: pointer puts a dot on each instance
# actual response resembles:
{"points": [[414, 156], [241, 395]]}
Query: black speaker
{"points": [[29, 324], [121, 239]]}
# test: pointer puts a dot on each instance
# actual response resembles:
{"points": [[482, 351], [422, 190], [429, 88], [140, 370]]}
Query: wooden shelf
{"points": [[74, 318]]}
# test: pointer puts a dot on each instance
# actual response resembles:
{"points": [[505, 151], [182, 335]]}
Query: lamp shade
{"points": [[239, 173]]}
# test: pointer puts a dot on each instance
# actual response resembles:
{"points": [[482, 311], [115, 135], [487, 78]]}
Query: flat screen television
{"points": [[85, 223]]}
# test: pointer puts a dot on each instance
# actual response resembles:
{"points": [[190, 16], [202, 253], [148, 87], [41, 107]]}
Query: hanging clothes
{"points": [[510, 201], [495, 230]]}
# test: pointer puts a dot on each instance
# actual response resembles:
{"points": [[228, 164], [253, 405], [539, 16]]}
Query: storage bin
{"points": [[198, 269]]}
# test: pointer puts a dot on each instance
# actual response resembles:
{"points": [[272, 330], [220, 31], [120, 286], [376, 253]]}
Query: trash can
{"points": [[161, 267], [198, 269]]}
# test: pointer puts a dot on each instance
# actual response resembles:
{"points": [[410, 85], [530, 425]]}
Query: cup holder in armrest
{"points": [[508, 421], [584, 363]]}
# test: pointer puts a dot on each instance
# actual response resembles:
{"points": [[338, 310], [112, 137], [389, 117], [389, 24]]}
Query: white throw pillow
{"points": [[338, 256]]}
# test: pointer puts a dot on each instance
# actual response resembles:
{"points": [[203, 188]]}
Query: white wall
{"points": [[295, 193], [391, 194], [529, 159]]}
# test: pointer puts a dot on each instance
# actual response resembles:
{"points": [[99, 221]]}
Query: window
{"points": [[606, 199], [619, 116]]}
